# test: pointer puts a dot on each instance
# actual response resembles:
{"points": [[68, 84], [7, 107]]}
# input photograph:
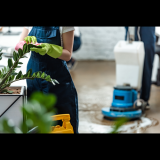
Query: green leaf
{"points": [[118, 123], [4, 91], [25, 48], [20, 51], [14, 73], [13, 76], [19, 75], [48, 100], [20, 63], [10, 63], [38, 75], [5, 69], [15, 56], [10, 92], [29, 73], [10, 78], [30, 46], [24, 57], [34, 75], [43, 74], [18, 56], [48, 78], [30, 70], [18, 66]]}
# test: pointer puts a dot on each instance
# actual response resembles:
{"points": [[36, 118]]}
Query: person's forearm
{"points": [[24, 34], [68, 39], [66, 55]]}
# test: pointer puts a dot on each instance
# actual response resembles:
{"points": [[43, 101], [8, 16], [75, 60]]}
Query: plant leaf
{"points": [[48, 78], [29, 73], [34, 75], [10, 63], [14, 73], [20, 51], [24, 57], [43, 74], [38, 75], [15, 56], [25, 48], [9, 92], [20, 63], [18, 66], [13, 76], [19, 75]]}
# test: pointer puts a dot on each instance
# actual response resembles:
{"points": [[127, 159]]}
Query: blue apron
{"points": [[67, 101]]}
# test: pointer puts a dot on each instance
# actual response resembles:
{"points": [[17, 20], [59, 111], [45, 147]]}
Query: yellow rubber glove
{"points": [[52, 50], [30, 39]]}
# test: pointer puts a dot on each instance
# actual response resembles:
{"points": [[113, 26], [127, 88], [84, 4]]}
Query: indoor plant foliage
{"points": [[39, 111], [8, 74]]}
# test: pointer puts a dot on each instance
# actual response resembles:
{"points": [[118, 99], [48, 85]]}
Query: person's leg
{"points": [[126, 29], [147, 35]]}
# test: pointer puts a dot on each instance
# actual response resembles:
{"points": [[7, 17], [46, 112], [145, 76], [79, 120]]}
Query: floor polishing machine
{"points": [[129, 57]]}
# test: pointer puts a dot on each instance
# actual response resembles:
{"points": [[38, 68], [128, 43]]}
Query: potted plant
{"points": [[10, 99], [39, 111], [41, 117]]}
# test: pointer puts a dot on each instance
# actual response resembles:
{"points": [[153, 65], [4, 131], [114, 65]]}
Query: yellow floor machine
{"points": [[129, 58]]}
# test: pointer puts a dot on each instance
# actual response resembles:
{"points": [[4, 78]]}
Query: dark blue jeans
{"points": [[148, 37]]}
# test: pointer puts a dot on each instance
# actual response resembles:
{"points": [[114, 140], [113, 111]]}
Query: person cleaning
{"points": [[148, 37], [57, 46]]}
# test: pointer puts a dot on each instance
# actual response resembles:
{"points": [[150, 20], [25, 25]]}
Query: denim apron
{"points": [[67, 100]]}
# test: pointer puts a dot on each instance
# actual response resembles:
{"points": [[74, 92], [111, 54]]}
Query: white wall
{"points": [[98, 42]]}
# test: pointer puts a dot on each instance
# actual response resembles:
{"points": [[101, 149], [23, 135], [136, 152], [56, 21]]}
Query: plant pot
{"points": [[10, 106]]}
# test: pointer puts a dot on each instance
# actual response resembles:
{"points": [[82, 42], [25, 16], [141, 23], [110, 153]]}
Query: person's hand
{"points": [[52, 50], [30, 39]]}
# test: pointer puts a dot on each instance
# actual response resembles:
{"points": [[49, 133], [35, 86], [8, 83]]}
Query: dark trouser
{"points": [[148, 37]]}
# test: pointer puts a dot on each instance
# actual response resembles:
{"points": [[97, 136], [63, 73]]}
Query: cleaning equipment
{"points": [[125, 104], [52, 50], [65, 128], [129, 57]]}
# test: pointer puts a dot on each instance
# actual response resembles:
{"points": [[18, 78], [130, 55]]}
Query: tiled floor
{"points": [[94, 81]]}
